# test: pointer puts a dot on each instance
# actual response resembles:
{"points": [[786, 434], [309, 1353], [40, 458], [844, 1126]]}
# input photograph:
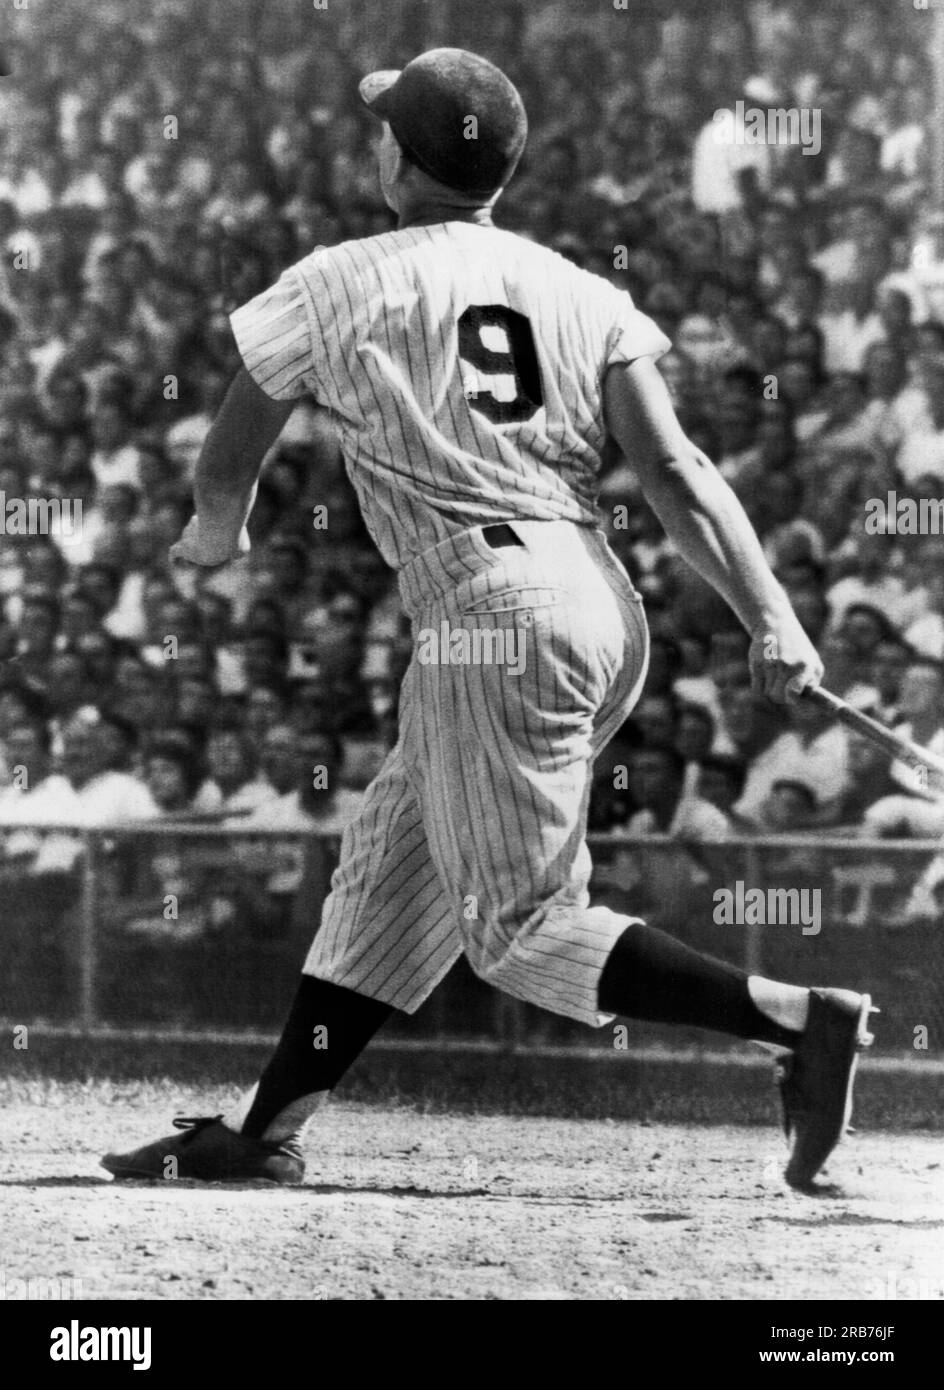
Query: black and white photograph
{"points": [[471, 664]]}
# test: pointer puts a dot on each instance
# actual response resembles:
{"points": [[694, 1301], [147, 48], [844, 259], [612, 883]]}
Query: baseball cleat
{"points": [[816, 1079], [209, 1152]]}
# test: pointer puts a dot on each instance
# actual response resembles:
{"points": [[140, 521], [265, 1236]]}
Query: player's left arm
{"points": [[248, 424], [706, 521]]}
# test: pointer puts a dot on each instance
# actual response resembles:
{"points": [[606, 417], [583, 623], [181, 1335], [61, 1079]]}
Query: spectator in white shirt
{"points": [[656, 779], [786, 536], [720, 782], [114, 227], [922, 450], [279, 765], [102, 792], [185, 437], [78, 618], [851, 328], [861, 631], [21, 247], [857, 226], [896, 406], [172, 773], [87, 190], [304, 771], [96, 758], [35, 633], [905, 817], [749, 723], [918, 808], [664, 878], [921, 705], [37, 189], [801, 299], [727, 170], [923, 280], [896, 311], [239, 202], [155, 180], [33, 795], [233, 785], [695, 686], [115, 457], [815, 751], [69, 689], [844, 429], [694, 739], [656, 717], [906, 134], [926, 633], [801, 380], [870, 583], [878, 694], [739, 451]]}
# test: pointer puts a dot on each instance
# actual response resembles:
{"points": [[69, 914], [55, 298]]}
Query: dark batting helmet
{"points": [[455, 115]]}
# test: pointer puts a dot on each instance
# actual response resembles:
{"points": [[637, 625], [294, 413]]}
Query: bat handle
{"points": [[825, 699]]}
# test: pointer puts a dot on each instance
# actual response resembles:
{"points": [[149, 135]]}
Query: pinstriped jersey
{"points": [[463, 366]]}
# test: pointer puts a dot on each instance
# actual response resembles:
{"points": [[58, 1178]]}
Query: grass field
{"points": [[412, 1200]]}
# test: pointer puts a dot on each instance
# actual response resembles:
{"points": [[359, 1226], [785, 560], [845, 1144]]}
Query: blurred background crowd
{"points": [[162, 163]]}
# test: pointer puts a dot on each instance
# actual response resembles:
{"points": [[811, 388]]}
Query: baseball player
{"points": [[474, 378]]}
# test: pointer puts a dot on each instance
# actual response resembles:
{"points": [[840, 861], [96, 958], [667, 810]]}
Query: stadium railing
{"points": [[200, 931]]}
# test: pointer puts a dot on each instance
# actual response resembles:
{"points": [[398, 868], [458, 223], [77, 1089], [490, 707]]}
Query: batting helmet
{"points": [[455, 115]]}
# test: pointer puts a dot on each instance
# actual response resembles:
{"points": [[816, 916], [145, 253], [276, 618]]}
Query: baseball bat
{"points": [[895, 744]]}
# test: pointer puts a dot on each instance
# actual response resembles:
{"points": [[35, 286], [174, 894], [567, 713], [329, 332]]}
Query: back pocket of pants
{"points": [[473, 596]]}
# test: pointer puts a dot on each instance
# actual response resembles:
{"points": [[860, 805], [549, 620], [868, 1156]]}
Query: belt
{"points": [[499, 535]]}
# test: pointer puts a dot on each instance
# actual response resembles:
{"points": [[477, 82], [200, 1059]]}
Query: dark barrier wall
{"points": [[206, 929]]}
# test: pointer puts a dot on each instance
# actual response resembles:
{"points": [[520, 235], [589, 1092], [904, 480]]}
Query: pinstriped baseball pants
{"points": [[472, 836]]}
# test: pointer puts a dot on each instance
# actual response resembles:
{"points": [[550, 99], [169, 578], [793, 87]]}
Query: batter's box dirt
{"points": [[400, 1204]]}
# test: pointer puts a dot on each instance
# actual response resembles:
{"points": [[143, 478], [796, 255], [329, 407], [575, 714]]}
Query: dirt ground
{"points": [[405, 1205]]}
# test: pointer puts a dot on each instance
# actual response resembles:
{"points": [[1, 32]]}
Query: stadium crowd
{"points": [[159, 165]]}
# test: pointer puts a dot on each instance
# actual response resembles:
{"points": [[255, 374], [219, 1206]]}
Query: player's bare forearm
{"points": [[248, 424], [699, 511], [709, 526], [246, 427]]}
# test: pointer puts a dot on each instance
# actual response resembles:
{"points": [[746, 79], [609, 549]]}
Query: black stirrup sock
{"points": [[308, 1060], [650, 975]]}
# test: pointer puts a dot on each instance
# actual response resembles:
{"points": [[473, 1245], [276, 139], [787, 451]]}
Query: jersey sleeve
{"points": [[273, 335], [633, 334]]}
